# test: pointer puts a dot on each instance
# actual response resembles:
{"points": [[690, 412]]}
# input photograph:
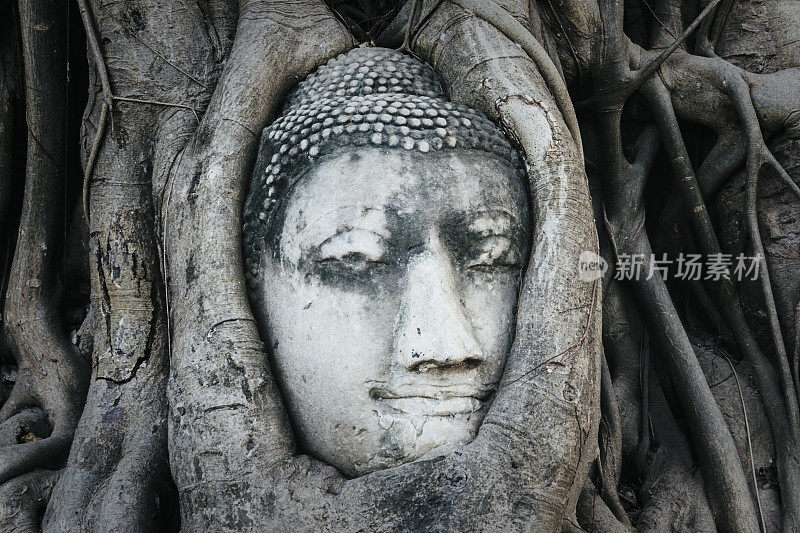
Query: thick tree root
{"points": [[9, 103], [52, 375], [124, 421], [24, 499]]}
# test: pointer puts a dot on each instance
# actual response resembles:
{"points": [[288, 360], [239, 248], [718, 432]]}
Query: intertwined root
{"points": [[775, 378]]}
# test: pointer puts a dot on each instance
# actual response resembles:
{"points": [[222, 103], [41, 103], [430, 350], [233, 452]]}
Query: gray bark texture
{"points": [[135, 391]]}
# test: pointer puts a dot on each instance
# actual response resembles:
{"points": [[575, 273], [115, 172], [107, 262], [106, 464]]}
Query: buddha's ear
{"points": [[549, 396]]}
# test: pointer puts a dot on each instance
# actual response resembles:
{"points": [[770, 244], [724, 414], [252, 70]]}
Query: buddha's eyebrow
{"points": [[320, 223], [348, 229]]}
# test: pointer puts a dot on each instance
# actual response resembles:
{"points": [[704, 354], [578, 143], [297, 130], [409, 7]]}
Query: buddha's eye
{"points": [[354, 260], [495, 253], [356, 250]]}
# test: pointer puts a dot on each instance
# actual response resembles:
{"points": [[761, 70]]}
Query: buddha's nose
{"points": [[433, 330]]}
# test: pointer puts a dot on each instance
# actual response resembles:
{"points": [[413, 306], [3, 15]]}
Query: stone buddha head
{"points": [[386, 231]]}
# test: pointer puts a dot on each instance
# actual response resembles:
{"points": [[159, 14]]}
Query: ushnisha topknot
{"points": [[366, 97]]}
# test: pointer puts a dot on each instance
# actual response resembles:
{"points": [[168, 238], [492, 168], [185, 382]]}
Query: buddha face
{"points": [[389, 297]]}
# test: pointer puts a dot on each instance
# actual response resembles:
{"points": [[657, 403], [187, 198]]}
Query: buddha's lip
{"points": [[431, 393], [425, 406]]}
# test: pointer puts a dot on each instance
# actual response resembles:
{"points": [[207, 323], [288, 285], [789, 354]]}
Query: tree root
{"points": [[738, 91], [494, 14], [595, 516], [24, 499], [780, 392], [708, 34], [203, 204], [9, 129], [28, 424], [757, 155], [673, 490], [52, 375], [610, 446], [127, 395], [623, 193], [623, 341], [749, 443]]}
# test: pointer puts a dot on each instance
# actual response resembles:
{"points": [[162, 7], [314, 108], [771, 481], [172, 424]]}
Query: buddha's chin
{"points": [[403, 438]]}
